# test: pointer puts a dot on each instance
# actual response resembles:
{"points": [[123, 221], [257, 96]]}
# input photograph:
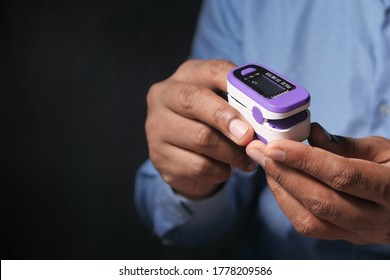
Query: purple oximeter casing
{"points": [[276, 107]]}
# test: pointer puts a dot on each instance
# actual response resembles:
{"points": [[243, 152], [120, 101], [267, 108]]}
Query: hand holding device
{"points": [[336, 188], [194, 136]]}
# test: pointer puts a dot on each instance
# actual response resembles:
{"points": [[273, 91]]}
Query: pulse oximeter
{"points": [[275, 107]]}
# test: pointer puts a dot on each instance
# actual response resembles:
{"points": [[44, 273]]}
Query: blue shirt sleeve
{"points": [[176, 219]]}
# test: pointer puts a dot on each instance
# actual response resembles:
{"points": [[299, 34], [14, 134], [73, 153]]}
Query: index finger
{"points": [[191, 93], [200, 103]]}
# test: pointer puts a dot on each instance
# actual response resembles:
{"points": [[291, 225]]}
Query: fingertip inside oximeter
{"points": [[275, 107]]}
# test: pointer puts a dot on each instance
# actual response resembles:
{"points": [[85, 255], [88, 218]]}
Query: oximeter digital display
{"points": [[275, 107]]}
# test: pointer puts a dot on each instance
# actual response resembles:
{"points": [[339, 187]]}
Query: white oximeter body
{"points": [[275, 107]]}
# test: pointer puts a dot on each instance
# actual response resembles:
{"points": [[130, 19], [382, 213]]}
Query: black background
{"points": [[74, 75]]}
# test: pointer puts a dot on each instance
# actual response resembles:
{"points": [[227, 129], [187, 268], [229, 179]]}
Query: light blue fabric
{"points": [[340, 52]]}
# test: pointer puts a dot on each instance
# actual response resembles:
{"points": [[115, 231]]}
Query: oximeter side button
{"points": [[247, 71], [257, 115]]}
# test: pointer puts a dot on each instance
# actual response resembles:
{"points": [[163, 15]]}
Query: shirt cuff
{"points": [[187, 221], [177, 219]]}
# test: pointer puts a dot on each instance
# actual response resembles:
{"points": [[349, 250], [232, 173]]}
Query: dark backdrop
{"points": [[74, 75]]}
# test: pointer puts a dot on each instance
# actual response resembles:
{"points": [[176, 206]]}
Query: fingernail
{"points": [[238, 128], [277, 154], [257, 156]]}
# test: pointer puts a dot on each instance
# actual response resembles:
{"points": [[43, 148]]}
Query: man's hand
{"points": [[194, 135], [338, 188]]}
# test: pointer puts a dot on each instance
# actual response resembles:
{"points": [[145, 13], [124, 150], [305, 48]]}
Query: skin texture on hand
{"points": [[194, 136], [337, 188]]}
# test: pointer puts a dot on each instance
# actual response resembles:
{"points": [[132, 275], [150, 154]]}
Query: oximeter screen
{"points": [[267, 87], [263, 81]]}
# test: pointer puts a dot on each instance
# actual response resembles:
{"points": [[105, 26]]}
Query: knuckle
{"points": [[307, 164], [218, 67], [303, 163], [157, 160], [350, 147], [276, 190], [379, 148], [201, 168], [381, 142], [188, 96], [151, 124], [220, 113], [344, 177], [187, 69], [188, 64], [153, 130], [306, 227], [148, 126], [321, 205], [151, 140], [323, 209], [152, 121], [204, 137], [153, 93], [168, 178], [274, 173]]}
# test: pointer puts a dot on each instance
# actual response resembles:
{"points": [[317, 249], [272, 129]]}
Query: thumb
{"points": [[361, 148]]}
